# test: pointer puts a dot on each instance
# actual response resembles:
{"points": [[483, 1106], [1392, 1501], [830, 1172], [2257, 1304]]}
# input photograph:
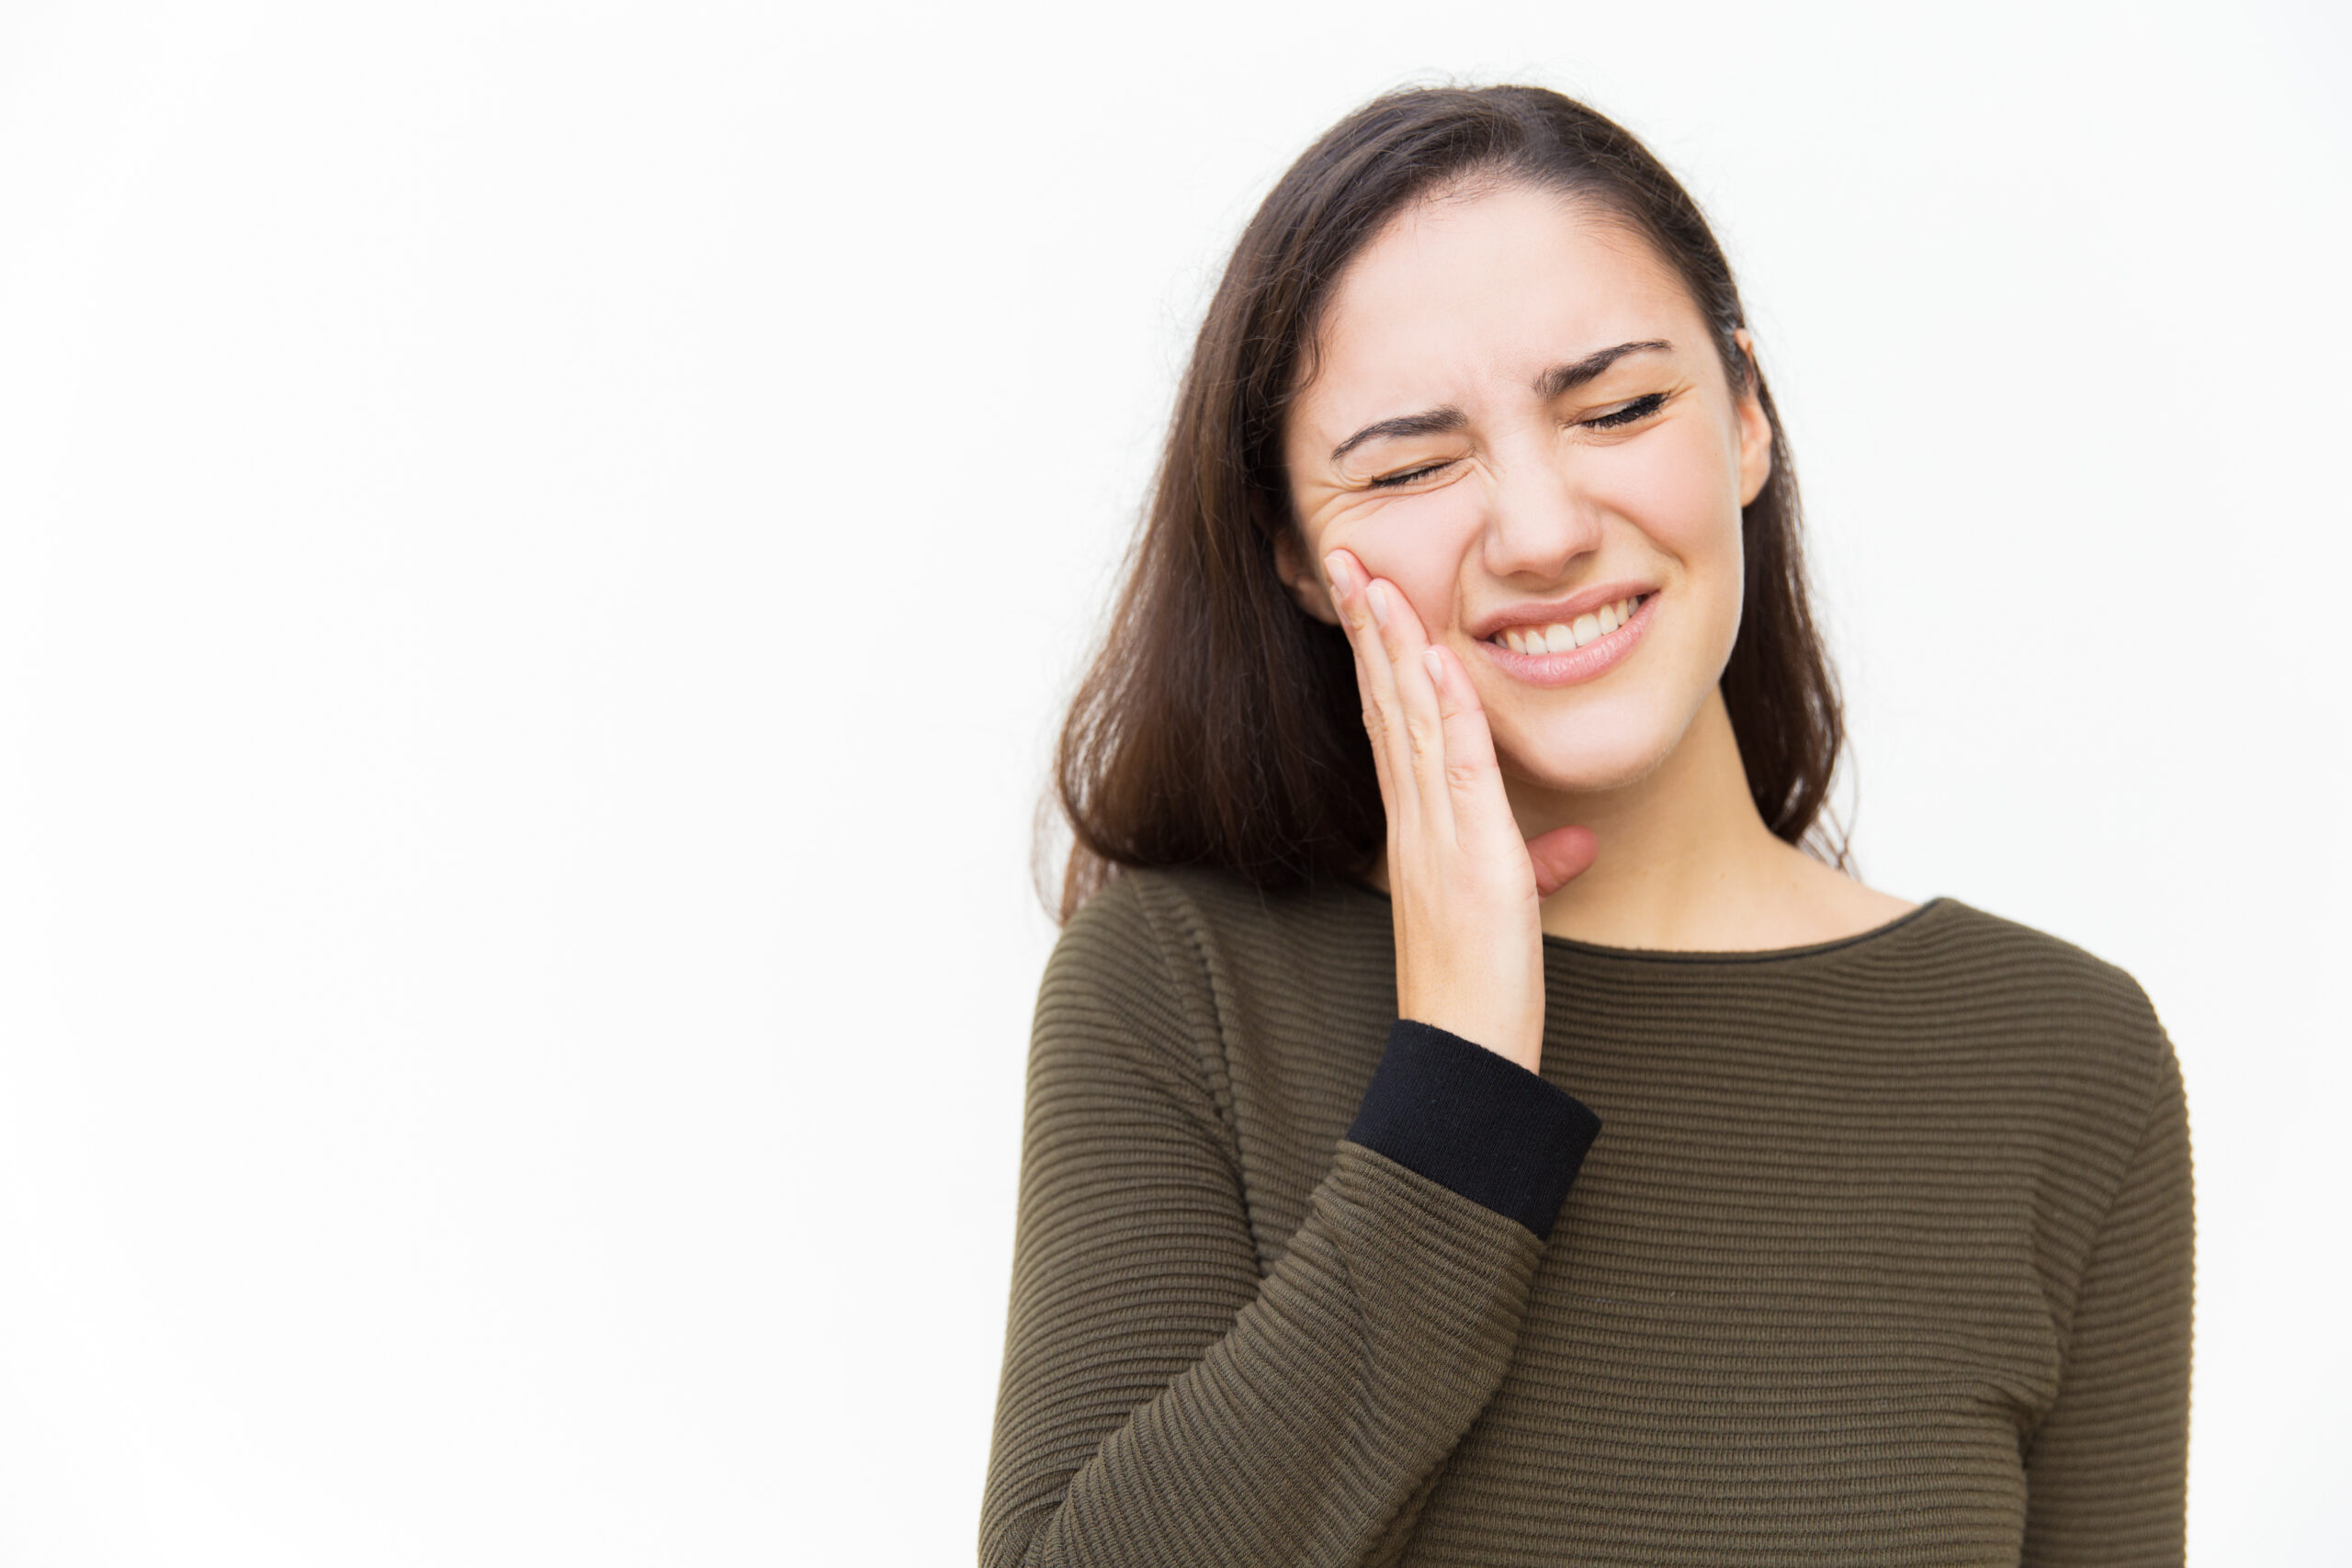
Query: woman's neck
{"points": [[1687, 863]]}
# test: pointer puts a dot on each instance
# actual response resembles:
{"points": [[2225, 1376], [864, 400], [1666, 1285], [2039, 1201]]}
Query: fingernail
{"points": [[1379, 600], [1434, 663], [1336, 569]]}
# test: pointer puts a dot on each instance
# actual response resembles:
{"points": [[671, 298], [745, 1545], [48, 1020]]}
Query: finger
{"points": [[1560, 856], [1377, 681], [1348, 580], [1476, 780], [1473, 782], [1421, 726]]}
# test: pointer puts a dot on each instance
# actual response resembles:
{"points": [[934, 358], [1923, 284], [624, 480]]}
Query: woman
{"points": [[1463, 1125]]}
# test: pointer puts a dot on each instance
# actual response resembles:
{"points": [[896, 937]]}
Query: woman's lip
{"points": [[1559, 611], [1602, 654]]}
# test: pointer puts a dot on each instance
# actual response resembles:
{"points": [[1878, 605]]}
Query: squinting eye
{"points": [[1408, 477], [1639, 409]]}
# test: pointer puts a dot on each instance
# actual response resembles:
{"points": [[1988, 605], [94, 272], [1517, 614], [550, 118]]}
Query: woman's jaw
{"points": [[1601, 717]]}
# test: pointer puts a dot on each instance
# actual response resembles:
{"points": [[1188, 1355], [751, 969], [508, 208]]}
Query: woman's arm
{"points": [[1161, 1401], [2107, 1471]]}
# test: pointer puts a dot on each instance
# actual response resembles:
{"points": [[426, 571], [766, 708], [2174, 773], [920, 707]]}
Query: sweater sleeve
{"points": [[1161, 1401], [2107, 1471]]}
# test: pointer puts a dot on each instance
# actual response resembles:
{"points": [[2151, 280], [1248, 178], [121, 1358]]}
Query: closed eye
{"points": [[1632, 414], [1409, 476]]}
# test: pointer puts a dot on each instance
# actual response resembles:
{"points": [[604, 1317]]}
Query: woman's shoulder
{"points": [[2057, 1056], [1973, 943], [1185, 978], [2086, 1019], [1216, 935], [1205, 911]]}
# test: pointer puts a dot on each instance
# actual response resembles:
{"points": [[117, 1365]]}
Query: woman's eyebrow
{"points": [[1551, 384], [1433, 422], [1567, 377]]}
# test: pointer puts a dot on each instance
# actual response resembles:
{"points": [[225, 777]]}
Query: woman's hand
{"points": [[1466, 888]]}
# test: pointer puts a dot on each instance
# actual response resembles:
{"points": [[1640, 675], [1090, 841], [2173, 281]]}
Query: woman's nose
{"points": [[1538, 521]]}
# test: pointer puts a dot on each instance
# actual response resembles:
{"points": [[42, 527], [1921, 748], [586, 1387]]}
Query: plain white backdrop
{"points": [[541, 546]]}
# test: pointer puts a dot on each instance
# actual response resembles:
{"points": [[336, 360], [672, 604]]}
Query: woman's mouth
{"points": [[1564, 652], [1565, 636]]}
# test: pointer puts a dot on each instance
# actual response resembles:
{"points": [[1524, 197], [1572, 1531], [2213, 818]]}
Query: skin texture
{"points": [[1613, 811]]}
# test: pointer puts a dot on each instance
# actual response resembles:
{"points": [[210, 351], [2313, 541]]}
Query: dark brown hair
{"points": [[1220, 725]]}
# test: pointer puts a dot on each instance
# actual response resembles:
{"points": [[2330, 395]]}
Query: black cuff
{"points": [[1476, 1122]]}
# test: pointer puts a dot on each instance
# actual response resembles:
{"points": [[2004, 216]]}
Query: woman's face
{"points": [[1519, 418]]}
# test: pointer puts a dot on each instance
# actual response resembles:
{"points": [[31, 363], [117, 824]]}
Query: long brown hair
{"points": [[1220, 725]]}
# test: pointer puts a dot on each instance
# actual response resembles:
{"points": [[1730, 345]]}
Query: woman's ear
{"points": [[1306, 584], [1755, 426]]}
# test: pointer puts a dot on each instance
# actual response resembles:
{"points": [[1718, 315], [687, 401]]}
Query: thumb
{"points": [[1561, 855]]}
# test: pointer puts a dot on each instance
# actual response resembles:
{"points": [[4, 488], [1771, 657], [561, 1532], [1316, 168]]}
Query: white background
{"points": [[540, 548]]}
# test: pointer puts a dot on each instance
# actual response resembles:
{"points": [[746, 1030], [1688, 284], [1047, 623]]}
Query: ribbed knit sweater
{"points": [[1874, 1251]]}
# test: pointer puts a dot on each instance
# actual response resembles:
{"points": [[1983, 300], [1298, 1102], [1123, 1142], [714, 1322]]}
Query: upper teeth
{"points": [[1562, 636]]}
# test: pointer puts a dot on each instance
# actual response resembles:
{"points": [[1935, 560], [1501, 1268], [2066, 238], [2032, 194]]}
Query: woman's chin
{"points": [[1593, 769], [1609, 744]]}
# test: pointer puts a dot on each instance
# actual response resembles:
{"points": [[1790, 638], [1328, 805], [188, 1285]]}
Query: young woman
{"points": [[1463, 1125]]}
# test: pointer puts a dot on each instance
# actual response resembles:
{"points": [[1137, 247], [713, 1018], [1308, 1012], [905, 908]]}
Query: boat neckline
{"points": [[1705, 955]]}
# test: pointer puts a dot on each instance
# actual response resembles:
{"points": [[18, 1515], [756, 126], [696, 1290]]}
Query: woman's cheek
{"points": [[1419, 543], [1677, 492]]}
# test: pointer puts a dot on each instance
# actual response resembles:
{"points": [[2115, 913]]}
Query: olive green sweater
{"points": [[1882, 1252]]}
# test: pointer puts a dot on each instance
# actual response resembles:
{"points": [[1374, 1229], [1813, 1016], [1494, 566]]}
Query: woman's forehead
{"points": [[1487, 260], [1490, 289]]}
